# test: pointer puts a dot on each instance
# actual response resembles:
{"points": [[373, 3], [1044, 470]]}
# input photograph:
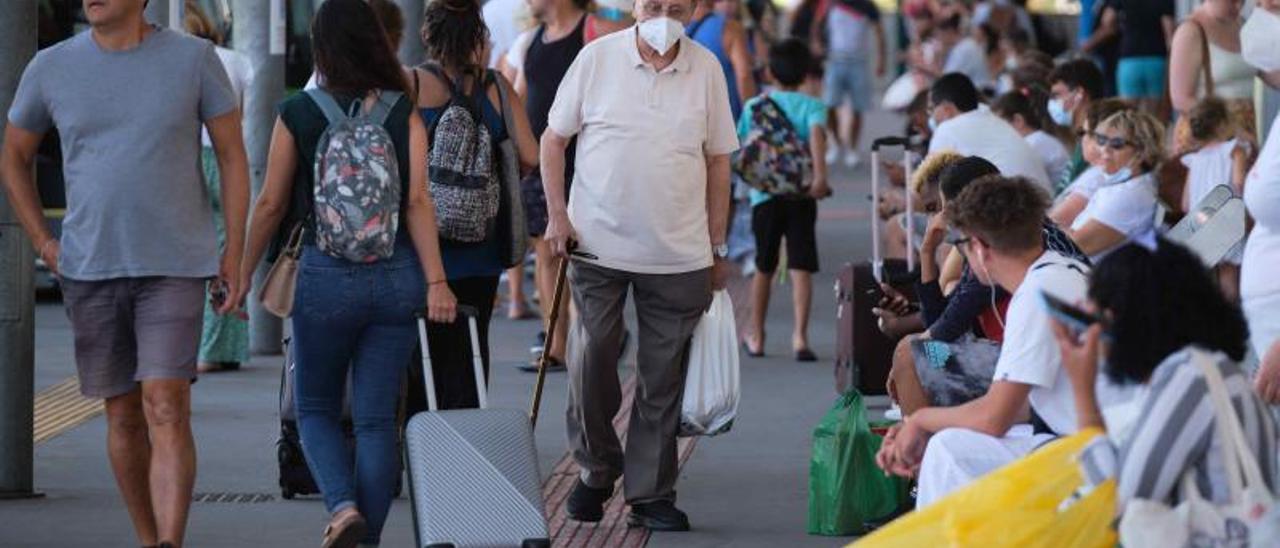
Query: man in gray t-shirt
{"points": [[129, 100]]}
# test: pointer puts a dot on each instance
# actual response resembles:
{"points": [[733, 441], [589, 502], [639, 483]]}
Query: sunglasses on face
{"points": [[1113, 143]]}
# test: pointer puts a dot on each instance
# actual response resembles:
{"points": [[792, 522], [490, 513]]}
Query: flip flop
{"points": [[746, 349], [806, 355]]}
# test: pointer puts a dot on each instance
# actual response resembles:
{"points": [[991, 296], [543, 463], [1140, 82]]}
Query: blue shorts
{"points": [[848, 81], [1141, 77]]}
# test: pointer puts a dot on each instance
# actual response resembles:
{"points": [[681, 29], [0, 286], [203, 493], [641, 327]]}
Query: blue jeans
{"points": [[360, 316]]}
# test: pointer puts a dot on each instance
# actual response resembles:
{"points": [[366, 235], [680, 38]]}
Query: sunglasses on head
{"points": [[1113, 143]]}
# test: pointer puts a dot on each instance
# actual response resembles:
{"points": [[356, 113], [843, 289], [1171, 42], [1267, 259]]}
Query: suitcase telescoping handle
{"points": [[482, 391], [877, 258]]}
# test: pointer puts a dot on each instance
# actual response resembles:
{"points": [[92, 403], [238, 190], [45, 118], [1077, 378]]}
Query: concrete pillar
{"points": [[17, 264], [410, 52], [252, 34], [165, 12]]}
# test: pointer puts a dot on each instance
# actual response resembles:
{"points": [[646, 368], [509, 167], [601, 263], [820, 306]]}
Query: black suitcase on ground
{"points": [[295, 475]]}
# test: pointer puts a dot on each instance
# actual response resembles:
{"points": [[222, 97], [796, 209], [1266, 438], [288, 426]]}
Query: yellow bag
{"points": [[1017, 505]]}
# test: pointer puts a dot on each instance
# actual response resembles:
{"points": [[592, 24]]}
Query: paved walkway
{"points": [[745, 488]]}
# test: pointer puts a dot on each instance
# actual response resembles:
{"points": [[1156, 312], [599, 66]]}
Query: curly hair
{"points": [[1209, 120], [454, 35], [1136, 288], [1143, 131], [929, 174], [1005, 213]]}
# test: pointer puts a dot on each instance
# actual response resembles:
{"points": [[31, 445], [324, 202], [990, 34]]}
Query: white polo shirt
{"points": [[639, 199]]}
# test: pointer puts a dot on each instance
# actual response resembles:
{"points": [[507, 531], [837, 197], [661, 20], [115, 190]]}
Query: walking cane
{"points": [[554, 319]]}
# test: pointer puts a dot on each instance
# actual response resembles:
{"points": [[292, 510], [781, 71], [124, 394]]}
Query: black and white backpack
{"points": [[461, 169]]}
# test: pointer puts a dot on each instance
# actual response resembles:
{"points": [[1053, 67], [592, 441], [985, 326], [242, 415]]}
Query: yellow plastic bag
{"points": [[1019, 505]]}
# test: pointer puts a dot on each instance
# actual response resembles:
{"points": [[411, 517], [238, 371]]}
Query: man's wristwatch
{"points": [[721, 251]]}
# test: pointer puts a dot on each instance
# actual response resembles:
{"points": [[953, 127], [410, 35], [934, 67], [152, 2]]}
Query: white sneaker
{"points": [[851, 159], [833, 155], [893, 413]]}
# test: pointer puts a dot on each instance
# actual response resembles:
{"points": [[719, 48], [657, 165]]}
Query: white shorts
{"points": [[957, 456]]}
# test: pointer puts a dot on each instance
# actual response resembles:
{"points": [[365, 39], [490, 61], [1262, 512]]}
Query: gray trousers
{"points": [[669, 307]]}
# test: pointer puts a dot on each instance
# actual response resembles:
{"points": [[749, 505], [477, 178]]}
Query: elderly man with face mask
{"points": [[650, 207]]}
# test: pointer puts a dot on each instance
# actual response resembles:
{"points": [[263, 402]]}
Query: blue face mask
{"points": [[1120, 176], [1058, 111], [611, 14]]}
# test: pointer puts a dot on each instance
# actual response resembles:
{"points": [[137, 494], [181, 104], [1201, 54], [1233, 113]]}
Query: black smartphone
{"points": [[1077, 320], [218, 293]]}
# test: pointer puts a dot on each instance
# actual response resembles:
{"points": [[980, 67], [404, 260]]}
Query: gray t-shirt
{"points": [[130, 125]]}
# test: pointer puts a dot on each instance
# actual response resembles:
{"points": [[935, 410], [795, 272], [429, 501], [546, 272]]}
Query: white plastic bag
{"points": [[711, 389]]}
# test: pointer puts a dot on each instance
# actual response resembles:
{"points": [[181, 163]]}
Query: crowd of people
{"points": [[623, 118]]}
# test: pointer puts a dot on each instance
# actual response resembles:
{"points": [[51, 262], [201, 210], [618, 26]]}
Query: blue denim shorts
{"points": [[848, 81]]}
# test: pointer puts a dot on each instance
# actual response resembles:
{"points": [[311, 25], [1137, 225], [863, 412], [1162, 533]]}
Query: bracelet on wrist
{"points": [[437, 282]]}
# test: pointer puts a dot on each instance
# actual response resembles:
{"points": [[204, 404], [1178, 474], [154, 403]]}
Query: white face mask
{"points": [[1260, 40], [661, 33]]}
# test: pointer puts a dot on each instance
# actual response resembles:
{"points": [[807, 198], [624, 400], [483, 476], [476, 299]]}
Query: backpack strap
{"points": [[386, 100], [328, 105], [504, 104]]}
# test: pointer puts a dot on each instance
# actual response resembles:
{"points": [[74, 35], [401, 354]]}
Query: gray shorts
{"points": [[129, 330], [956, 372]]}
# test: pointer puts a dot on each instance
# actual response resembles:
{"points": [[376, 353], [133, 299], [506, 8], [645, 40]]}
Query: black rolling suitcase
{"points": [[864, 354], [295, 475]]}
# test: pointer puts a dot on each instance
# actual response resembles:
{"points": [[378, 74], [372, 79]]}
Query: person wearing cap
{"points": [[649, 108], [610, 16]]}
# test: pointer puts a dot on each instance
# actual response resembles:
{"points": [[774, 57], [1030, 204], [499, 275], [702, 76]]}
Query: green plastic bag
{"points": [[846, 488]]}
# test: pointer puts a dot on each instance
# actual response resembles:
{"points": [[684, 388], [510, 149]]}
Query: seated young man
{"points": [[1001, 220], [952, 361]]}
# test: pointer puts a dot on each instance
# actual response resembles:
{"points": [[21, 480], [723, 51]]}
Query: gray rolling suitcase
{"points": [[473, 473]]}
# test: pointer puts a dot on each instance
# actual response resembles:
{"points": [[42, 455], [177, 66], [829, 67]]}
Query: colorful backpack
{"points": [[357, 180], [464, 179], [774, 159]]}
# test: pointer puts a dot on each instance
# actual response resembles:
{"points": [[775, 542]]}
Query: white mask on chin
{"points": [[661, 33], [1260, 40]]}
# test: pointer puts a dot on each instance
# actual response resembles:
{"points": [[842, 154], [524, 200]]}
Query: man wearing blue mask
{"points": [[1073, 86], [650, 110]]}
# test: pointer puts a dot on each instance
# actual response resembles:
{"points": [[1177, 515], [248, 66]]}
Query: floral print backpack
{"points": [[357, 180], [774, 159]]}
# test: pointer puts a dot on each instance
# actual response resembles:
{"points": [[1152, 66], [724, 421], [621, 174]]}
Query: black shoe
{"points": [[587, 503], [658, 516], [553, 365]]}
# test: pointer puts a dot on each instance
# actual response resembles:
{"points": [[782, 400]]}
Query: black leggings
{"points": [[451, 351]]}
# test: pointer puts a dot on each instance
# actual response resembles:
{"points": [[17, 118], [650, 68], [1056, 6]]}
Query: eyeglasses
{"points": [[959, 242], [674, 11], [1113, 143]]}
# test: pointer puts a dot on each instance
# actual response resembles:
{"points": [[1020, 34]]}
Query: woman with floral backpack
{"points": [[347, 167]]}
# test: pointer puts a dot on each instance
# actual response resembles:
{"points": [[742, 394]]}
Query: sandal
{"points": [[746, 348], [806, 355], [345, 531]]}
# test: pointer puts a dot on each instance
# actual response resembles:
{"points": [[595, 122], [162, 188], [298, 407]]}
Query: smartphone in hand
{"points": [[1074, 318]]}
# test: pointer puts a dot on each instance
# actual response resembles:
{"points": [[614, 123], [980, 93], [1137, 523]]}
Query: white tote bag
{"points": [[711, 389], [1248, 520]]}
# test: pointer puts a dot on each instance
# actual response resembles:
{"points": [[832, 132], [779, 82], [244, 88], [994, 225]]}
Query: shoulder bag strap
{"points": [[504, 104], [1208, 60], [1236, 453]]}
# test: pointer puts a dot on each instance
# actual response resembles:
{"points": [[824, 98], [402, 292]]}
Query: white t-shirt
{"points": [[502, 18], [1088, 182], [1029, 354], [640, 191], [240, 71], [1262, 197], [1128, 207], [1052, 154], [983, 134], [520, 48], [847, 32], [967, 58], [1207, 168]]}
